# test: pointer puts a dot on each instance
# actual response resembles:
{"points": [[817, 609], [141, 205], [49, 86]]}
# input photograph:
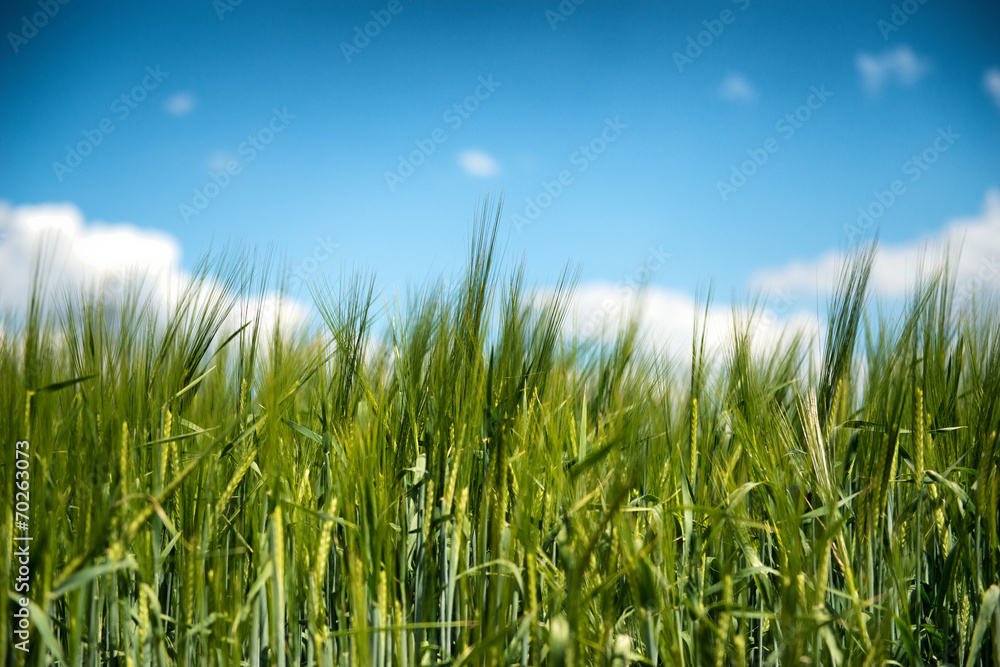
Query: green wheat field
{"points": [[454, 480]]}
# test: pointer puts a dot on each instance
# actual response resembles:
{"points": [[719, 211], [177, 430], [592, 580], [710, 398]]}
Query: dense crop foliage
{"points": [[472, 488]]}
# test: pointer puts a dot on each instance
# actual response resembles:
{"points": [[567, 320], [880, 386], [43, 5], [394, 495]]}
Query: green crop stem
{"points": [[455, 479]]}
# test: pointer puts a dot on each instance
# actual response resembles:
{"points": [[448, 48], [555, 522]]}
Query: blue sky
{"points": [[599, 97]]}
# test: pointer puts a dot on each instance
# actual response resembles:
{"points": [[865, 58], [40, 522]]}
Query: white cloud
{"points": [[737, 88], [79, 253], [478, 163], [974, 244], [991, 83], [219, 161], [180, 104], [900, 66], [94, 255], [667, 317]]}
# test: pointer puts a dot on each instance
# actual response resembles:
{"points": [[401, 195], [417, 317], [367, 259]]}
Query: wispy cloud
{"points": [[973, 244], [737, 88], [219, 160], [899, 66], [180, 104], [478, 163], [991, 83]]}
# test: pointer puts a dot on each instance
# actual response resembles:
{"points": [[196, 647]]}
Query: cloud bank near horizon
{"points": [[970, 244], [100, 255]]}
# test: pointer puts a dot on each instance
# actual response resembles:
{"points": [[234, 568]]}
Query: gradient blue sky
{"points": [[656, 185]]}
